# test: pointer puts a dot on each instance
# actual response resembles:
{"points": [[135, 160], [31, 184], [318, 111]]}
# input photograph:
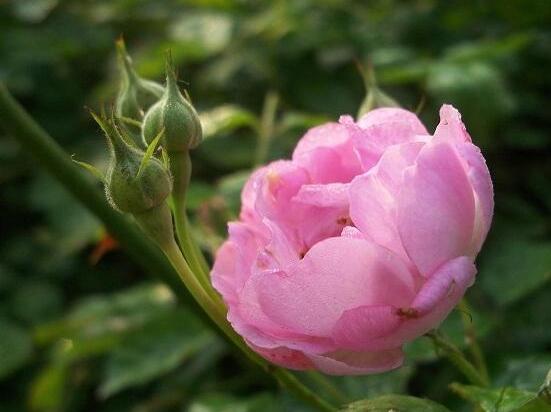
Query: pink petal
{"points": [[357, 328], [358, 363], [458, 273], [337, 274], [435, 300], [234, 260], [285, 357], [328, 195], [277, 185], [223, 272], [451, 127], [481, 181], [352, 232], [383, 128], [373, 196], [249, 319], [249, 194], [394, 115], [435, 208], [382, 327], [326, 152]]}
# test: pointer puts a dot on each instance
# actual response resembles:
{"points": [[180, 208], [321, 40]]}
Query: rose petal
{"points": [[358, 363], [335, 275], [481, 181], [451, 127], [326, 152], [373, 196], [435, 212]]}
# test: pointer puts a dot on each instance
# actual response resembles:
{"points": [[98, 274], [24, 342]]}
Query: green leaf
{"points": [[104, 315], [398, 403], [505, 399], [512, 269], [225, 119], [94, 171], [15, 347], [227, 403], [36, 301], [150, 150], [525, 373], [153, 350], [48, 389]]}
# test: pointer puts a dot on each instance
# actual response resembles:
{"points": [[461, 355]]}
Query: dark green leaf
{"points": [[506, 399], [398, 403], [15, 347]]}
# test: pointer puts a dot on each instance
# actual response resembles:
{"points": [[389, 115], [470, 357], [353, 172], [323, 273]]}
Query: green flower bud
{"points": [[375, 97], [135, 95], [175, 114], [133, 184]]}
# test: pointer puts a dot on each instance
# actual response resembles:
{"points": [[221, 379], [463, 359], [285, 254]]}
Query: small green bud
{"points": [[135, 95], [375, 97], [132, 185], [175, 114]]}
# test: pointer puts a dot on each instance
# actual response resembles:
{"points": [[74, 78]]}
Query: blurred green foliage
{"points": [[81, 335]]}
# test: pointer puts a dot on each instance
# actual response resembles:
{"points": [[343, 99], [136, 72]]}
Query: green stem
{"points": [[472, 341], [50, 156], [456, 357], [266, 131], [328, 387], [287, 379], [180, 166]]}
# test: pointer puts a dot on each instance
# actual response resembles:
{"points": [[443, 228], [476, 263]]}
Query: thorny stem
{"points": [[52, 157]]}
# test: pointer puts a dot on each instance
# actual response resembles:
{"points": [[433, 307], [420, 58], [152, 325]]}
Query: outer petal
{"points": [[481, 181], [407, 121], [288, 358], [335, 275], [436, 208], [383, 128], [279, 183], [358, 363], [383, 327], [249, 194], [234, 260], [327, 153], [373, 196], [451, 127], [436, 299]]}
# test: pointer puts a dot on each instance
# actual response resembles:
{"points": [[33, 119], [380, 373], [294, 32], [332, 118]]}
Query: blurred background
{"points": [[83, 328]]}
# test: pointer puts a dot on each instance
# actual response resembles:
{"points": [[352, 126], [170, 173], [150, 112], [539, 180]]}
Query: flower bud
{"points": [[175, 115], [135, 95], [375, 98], [134, 185]]}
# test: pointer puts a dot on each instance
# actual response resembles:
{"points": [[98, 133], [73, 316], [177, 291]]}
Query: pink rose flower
{"points": [[363, 241]]}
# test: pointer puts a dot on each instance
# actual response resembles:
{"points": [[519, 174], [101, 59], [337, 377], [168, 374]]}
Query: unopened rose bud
{"points": [[375, 98], [175, 115], [136, 185], [133, 186], [135, 96]]}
